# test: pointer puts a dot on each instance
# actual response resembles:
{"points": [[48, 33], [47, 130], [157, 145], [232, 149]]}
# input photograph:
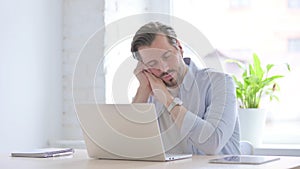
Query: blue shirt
{"points": [[211, 124]]}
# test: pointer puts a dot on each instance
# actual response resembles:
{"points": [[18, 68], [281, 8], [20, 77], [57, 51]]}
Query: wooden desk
{"points": [[80, 160]]}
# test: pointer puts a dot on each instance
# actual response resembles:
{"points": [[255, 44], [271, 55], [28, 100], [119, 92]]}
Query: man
{"points": [[197, 107]]}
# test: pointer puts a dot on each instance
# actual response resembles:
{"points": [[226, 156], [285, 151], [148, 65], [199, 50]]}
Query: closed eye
{"points": [[167, 55], [164, 56], [152, 63]]}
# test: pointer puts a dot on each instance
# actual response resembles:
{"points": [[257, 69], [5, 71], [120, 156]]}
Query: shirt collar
{"points": [[189, 78]]}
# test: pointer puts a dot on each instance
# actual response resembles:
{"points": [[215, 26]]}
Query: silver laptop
{"points": [[123, 131]]}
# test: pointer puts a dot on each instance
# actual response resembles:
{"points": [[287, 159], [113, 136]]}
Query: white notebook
{"points": [[44, 153]]}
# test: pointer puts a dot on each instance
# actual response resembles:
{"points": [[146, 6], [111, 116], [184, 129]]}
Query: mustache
{"points": [[165, 73]]}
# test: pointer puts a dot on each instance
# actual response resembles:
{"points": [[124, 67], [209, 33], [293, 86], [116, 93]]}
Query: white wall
{"points": [[82, 18], [30, 73]]}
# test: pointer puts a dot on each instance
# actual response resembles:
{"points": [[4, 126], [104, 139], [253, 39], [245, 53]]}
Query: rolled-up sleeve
{"points": [[212, 130]]}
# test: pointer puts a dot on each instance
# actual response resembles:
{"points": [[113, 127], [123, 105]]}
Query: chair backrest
{"points": [[246, 148]]}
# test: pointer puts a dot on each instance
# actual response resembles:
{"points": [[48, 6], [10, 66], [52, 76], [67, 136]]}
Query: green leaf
{"points": [[240, 64], [275, 97], [237, 82], [288, 67], [255, 83], [251, 70], [245, 74], [269, 67], [257, 67], [269, 80]]}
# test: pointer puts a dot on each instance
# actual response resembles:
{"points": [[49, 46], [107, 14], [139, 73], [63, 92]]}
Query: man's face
{"points": [[163, 60]]}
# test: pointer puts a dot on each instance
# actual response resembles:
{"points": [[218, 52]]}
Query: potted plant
{"points": [[253, 85]]}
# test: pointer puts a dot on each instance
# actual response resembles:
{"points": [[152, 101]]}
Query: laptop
{"points": [[123, 131]]}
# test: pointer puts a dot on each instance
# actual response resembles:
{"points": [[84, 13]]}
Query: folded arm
{"points": [[210, 133]]}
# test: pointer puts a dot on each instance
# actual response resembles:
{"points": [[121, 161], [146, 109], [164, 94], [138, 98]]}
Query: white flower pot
{"points": [[252, 123]]}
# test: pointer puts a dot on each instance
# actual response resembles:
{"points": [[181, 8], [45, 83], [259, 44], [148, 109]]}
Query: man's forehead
{"points": [[147, 51]]}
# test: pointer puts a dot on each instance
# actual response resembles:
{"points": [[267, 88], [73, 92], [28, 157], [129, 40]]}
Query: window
{"points": [[239, 3], [238, 34], [119, 61], [293, 4], [119, 64], [294, 45]]}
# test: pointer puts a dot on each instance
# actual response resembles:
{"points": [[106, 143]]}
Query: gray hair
{"points": [[146, 34]]}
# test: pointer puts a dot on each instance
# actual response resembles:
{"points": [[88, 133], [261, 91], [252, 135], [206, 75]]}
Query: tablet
{"points": [[243, 159]]}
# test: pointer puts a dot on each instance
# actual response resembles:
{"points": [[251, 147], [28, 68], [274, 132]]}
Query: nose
{"points": [[163, 66]]}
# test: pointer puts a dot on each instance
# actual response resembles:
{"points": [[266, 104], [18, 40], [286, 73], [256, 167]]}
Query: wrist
{"points": [[169, 101], [175, 102]]}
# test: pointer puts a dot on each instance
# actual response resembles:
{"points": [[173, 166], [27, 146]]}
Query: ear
{"points": [[180, 47]]}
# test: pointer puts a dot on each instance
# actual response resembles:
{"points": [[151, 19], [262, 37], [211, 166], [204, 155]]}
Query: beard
{"points": [[174, 82], [170, 83]]}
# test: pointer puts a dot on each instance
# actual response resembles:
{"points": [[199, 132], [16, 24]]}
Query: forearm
{"points": [[178, 114], [211, 132], [204, 135], [141, 96]]}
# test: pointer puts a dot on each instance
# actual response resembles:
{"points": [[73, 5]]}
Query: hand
{"points": [[144, 89], [159, 89], [139, 72]]}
